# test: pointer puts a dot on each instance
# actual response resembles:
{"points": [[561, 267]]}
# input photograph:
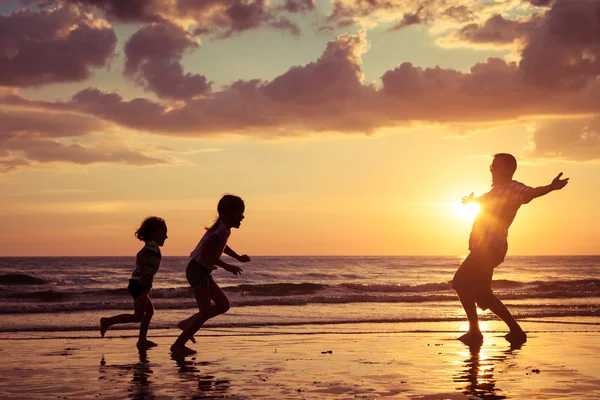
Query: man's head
{"points": [[503, 167]]}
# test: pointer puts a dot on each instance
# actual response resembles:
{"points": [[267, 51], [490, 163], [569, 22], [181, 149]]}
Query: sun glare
{"points": [[466, 211]]}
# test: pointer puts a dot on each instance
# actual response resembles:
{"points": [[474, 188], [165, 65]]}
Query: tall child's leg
{"points": [[221, 306], [207, 311], [193, 323]]}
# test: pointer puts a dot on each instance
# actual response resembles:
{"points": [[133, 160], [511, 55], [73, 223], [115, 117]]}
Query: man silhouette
{"points": [[488, 245]]}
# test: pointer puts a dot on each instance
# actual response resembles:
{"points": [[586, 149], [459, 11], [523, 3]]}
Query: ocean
{"points": [[41, 295]]}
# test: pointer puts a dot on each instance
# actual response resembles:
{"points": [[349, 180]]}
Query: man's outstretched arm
{"points": [[540, 191], [470, 199]]}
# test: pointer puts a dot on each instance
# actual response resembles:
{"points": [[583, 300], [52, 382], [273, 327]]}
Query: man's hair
{"points": [[508, 160]]}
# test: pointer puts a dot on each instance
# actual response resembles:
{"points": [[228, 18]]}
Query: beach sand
{"points": [[356, 361]]}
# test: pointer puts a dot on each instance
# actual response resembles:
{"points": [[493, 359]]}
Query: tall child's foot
{"points": [[145, 344], [181, 325], [516, 337], [181, 350], [103, 326], [472, 338]]}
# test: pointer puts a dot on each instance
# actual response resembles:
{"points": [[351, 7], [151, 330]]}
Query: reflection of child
{"points": [[488, 245], [204, 259], [153, 232]]}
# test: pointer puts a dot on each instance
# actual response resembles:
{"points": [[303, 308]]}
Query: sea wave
{"points": [[28, 299], [258, 323], [20, 279]]}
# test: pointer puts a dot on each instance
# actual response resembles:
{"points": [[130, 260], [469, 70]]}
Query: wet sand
{"points": [[368, 361]]}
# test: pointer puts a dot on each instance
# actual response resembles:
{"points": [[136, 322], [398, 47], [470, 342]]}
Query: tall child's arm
{"points": [[212, 253], [540, 191], [229, 251]]}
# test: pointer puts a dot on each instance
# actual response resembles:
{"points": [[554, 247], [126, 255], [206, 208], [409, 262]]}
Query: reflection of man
{"points": [[488, 245], [478, 374]]}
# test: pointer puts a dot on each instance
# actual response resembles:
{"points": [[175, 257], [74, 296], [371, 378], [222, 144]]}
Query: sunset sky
{"points": [[349, 127]]}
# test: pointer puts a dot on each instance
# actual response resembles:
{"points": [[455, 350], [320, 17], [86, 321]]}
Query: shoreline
{"points": [[421, 361]]}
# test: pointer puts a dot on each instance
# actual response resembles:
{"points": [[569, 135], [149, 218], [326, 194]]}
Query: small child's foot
{"points": [[103, 326], [182, 350], [516, 337], [146, 344], [471, 338], [182, 326]]}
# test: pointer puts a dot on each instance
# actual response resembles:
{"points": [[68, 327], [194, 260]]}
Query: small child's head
{"points": [[152, 229], [503, 167], [231, 210]]}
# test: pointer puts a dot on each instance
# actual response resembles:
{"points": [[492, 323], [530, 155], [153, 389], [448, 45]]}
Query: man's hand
{"points": [[244, 258], [233, 269], [558, 183], [468, 199]]}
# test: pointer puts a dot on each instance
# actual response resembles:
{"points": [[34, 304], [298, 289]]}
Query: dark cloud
{"points": [[28, 137], [571, 139], [218, 18], [297, 6], [564, 52], [61, 45], [330, 94], [285, 24], [498, 30], [153, 57], [126, 10], [405, 12]]}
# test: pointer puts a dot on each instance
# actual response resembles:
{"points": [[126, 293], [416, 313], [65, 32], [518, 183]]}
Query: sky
{"points": [[349, 127]]}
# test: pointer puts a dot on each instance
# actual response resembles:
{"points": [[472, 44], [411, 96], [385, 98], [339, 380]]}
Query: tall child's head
{"points": [[231, 210], [503, 167], [152, 229]]}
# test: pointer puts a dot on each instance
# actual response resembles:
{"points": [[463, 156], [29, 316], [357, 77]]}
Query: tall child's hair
{"points": [[149, 226], [227, 203]]}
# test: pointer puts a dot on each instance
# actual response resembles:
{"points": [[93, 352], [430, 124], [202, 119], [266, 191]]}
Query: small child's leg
{"points": [[148, 313], [137, 316]]}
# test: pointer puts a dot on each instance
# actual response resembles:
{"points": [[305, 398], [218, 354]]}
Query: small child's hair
{"points": [[149, 226], [230, 202]]}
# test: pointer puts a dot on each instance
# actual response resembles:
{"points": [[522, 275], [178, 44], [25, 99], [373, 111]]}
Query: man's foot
{"points": [[181, 325], [103, 326], [181, 350], [145, 344], [516, 337], [472, 338]]}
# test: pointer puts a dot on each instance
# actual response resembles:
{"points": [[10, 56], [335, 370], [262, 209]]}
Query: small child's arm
{"points": [[540, 191], [142, 263], [229, 251]]}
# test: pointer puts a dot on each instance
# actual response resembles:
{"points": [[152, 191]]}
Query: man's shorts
{"points": [[198, 276], [135, 288], [475, 275]]}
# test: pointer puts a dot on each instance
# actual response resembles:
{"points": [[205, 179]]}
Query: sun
{"points": [[466, 211]]}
